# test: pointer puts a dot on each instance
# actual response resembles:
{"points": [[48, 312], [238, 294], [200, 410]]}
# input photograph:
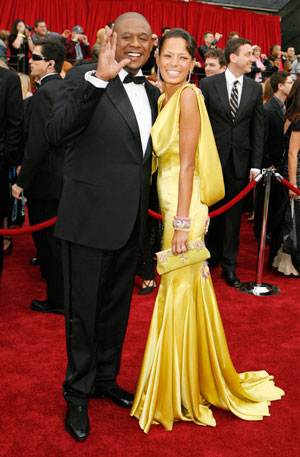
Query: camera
{"points": [[29, 28]]}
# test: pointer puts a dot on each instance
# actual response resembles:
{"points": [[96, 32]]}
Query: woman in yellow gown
{"points": [[187, 365]]}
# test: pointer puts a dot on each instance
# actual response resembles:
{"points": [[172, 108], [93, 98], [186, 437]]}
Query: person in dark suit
{"points": [[42, 171], [273, 155], [11, 137], [103, 113], [234, 105]]}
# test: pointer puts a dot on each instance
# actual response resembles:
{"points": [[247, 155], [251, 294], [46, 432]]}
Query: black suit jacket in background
{"points": [[243, 138], [41, 173], [107, 179], [11, 118], [273, 136]]}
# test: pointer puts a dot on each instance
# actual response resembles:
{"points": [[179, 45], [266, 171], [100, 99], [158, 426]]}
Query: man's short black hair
{"points": [[38, 21], [231, 35], [207, 33], [279, 77], [233, 46], [54, 50], [164, 29]]}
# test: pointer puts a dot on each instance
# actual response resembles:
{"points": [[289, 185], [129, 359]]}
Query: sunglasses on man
{"points": [[38, 57]]}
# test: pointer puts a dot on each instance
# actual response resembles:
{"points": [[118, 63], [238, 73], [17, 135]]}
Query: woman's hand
{"points": [[293, 195], [180, 242], [107, 67]]}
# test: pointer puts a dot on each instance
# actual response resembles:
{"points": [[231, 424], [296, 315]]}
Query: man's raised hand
{"points": [[107, 67]]}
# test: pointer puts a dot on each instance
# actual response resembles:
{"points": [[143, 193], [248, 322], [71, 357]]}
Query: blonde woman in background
{"points": [[25, 85], [96, 47]]}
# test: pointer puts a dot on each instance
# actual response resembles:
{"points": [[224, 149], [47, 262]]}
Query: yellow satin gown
{"points": [[187, 365]]}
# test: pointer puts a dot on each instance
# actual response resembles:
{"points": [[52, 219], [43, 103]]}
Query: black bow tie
{"points": [[134, 79]]}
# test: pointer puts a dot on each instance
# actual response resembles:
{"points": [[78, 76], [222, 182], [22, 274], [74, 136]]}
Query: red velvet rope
{"points": [[225, 207], [29, 229], [287, 183], [43, 225]]}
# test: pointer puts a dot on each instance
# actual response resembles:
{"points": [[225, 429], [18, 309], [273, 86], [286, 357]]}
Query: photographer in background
{"points": [[41, 33], [278, 59], [78, 47], [20, 43], [294, 60], [210, 42]]}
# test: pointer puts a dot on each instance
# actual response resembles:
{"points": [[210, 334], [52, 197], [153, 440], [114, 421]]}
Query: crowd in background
{"points": [[17, 48]]}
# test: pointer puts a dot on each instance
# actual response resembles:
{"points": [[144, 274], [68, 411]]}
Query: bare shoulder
{"points": [[188, 99]]}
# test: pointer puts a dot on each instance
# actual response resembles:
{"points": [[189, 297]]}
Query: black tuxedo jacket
{"points": [[11, 118], [273, 137], [107, 179], [242, 138], [41, 173]]}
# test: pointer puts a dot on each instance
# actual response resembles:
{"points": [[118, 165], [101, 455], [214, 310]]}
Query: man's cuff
{"points": [[91, 78], [256, 170]]}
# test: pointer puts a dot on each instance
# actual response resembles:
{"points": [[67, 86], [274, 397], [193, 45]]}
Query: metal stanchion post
{"points": [[258, 287]]}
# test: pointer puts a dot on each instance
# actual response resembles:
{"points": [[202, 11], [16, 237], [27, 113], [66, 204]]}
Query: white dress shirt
{"points": [[230, 79], [139, 101]]}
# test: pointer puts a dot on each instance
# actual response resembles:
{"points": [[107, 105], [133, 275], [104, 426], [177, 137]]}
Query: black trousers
{"points": [[49, 249], [98, 290], [279, 200], [1, 245], [4, 205], [223, 238]]}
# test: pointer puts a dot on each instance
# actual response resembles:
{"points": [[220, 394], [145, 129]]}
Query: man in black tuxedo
{"points": [[42, 171], [234, 104], [103, 113], [11, 137], [273, 155]]}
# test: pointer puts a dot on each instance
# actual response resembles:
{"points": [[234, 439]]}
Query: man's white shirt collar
{"points": [[230, 78]]}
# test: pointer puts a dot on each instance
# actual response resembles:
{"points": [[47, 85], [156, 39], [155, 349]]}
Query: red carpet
{"points": [[262, 332]]}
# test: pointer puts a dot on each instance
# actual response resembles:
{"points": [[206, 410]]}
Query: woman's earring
{"points": [[189, 78], [158, 74]]}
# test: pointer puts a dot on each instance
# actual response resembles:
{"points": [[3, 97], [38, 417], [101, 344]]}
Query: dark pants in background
{"points": [[4, 205], [223, 238], [48, 249]]}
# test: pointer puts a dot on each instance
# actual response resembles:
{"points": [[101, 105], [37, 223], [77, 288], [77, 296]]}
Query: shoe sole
{"points": [[53, 311]]}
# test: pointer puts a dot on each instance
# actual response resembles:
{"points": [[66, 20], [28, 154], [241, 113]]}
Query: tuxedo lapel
{"points": [[221, 88], [152, 96], [117, 94]]}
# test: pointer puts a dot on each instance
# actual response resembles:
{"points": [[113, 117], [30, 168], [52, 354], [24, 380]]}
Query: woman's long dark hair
{"points": [[293, 103], [14, 26]]}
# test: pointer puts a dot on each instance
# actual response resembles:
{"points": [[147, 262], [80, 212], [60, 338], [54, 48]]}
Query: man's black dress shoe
{"points": [[116, 394], [231, 278], [43, 307], [34, 261], [77, 422]]}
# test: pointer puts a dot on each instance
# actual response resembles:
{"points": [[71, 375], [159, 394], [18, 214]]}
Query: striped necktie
{"points": [[234, 100]]}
